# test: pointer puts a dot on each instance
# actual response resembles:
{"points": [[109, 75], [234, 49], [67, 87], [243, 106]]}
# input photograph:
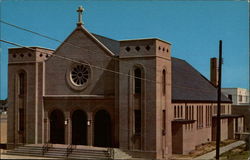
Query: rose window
{"points": [[80, 74]]}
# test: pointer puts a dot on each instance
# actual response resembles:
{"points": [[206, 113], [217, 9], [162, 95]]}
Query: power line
{"points": [[101, 68], [76, 61], [62, 42], [27, 30]]}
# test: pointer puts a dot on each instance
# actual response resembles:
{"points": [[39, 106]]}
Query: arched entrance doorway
{"points": [[57, 127], [79, 128], [102, 129]]}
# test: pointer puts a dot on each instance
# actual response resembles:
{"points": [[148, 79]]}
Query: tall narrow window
{"points": [[21, 119], [206, 111], [163, 122], [210, 116], [223, 110], [178, 111], [192, 113], [189, 113], [207, 115], [137, 122], [137, 75], [198, 117], [164, 82], [240, 98], [174, 111], [181, 112], [186, 112], [21, 84], [202, 116], [215, 109]]}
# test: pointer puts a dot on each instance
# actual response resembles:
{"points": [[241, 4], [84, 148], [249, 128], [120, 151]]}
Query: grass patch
{"points": [[237, 153], [203, 149], [208, 147]]}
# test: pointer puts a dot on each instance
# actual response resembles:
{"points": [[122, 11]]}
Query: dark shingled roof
{"points": [[188, 85], [112, 45]]}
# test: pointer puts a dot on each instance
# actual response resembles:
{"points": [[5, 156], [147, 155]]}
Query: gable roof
{"points": [[189, 85], [111, 44], [102, 45], [82, 28]]}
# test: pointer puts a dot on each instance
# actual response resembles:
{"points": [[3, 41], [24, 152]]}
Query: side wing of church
{"points": [[128, 94]]}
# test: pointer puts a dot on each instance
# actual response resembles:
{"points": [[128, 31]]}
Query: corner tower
{"points": [[25, 74], [145, 96]]}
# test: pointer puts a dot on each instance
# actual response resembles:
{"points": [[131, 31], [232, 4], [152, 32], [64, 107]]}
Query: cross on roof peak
{"points": [[80, 10]]}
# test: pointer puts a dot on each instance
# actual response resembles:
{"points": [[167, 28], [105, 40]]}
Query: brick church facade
{"points": [[128, 94]]}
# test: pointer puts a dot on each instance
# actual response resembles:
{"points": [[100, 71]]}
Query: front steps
{"points": [[27, 150], [61, 151], [68, 151]]}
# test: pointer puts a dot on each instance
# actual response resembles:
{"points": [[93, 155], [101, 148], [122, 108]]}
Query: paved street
{"points": [[224, 149]]}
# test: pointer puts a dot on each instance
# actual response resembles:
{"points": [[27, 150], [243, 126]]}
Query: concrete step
{"points": [[84, 155], [25, 149], [97, 155], [71, 157], [89, 152], [20, 151], [29, 147], [60, 151], [120, 154], [25, 154]]}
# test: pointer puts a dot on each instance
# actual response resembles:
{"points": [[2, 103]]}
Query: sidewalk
{"points": [[207, 156], [211, 155]]}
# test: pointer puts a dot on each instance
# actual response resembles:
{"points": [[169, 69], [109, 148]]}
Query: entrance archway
{"points": [[57, 127], [79, 128], [102, 129]]}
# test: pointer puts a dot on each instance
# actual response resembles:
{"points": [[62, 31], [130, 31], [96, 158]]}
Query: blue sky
{"points": [[193, 27]]}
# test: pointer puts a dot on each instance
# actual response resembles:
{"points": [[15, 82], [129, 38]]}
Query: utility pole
{"points": [[218, 129]]}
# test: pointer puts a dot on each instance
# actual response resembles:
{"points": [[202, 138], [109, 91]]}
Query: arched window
{"points": [[21, 84], [137, 80], [164, 82]]}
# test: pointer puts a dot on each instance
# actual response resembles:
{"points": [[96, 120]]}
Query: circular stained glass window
{"points": [[80, 74]]}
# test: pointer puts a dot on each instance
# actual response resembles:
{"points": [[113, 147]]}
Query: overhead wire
{"points": [[101, 68], [80, 62], [64, 42], [94, 66]]}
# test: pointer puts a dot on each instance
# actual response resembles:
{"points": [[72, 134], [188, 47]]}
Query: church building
{"points": [[126, 94]]}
